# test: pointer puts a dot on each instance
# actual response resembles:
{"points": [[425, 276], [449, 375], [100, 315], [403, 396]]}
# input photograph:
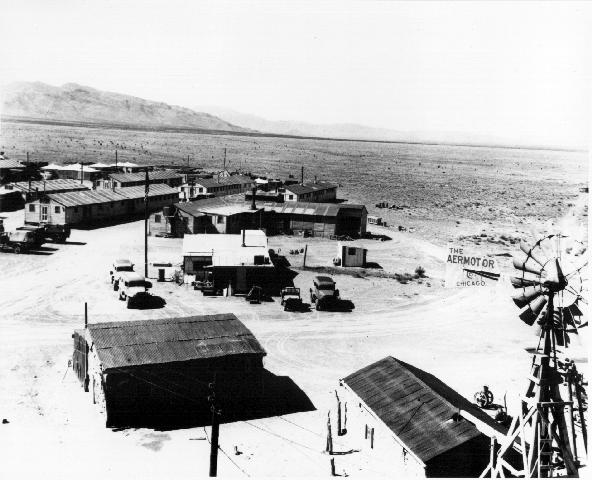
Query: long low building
{"points": [[31, 189], [233, 214], [217, 187], [311, 192], [126, 180], [96, 205]]}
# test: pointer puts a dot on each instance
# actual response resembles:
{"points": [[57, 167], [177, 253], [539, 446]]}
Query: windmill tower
{"points": [[551, 290]]}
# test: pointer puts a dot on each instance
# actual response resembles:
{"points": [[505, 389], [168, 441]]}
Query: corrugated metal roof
{"points": [[416, 406], [51, 185], [307, 208], [124, 344], [10, 164], [141, 177], [92, 197]]}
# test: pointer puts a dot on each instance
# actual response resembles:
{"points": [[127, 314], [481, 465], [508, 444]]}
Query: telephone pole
{"points": [[216, 412], [146, 224]]}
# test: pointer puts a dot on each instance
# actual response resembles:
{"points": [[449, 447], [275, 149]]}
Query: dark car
{"points": [[323, 294]]}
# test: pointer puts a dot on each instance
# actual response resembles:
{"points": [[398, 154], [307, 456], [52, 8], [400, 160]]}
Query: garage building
{"points": [[158, 371]]}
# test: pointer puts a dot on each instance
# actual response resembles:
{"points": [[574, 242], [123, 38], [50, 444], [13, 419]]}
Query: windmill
{"points": [[551, 291]]}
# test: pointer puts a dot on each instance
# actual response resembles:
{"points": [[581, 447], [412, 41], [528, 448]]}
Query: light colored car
{"points": [[119, 266], [132, 288]]}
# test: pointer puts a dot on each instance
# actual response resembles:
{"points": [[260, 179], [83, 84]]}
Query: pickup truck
{"points": [[121, 265], [132, 288], [19, 241], [323, 294], [291, 298]]}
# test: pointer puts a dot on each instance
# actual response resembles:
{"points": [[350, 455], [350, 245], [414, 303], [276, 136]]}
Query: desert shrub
{"points": [[420, 272]]}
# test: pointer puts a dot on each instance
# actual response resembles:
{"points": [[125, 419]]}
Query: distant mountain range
{"points": [[345, 130], [76, 103]]}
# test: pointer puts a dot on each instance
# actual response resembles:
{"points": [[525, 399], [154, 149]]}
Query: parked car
{"points": [[19, 241], [120, 265], [323, 294], [291, 298], [132, 288]]}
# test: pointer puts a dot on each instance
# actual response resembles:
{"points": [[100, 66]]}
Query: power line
{"points": [[220, 448]]}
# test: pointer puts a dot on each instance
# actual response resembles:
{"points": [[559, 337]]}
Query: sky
{"points": [[507, 69]]}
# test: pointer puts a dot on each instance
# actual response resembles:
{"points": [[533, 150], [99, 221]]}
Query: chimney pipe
{"points": [[253, 193], [302, 176], [315, 179], [244, 245]]}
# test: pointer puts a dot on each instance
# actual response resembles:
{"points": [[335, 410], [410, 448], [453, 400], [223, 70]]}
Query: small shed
{"points": [[374, 220], [137, 370], [351, 255], [421, 424]]}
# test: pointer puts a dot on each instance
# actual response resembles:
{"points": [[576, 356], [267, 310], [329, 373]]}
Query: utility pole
{"points": [[187, 162], [81, 172], [116, 157], [146, 225], [216, 412], [224, 169]]}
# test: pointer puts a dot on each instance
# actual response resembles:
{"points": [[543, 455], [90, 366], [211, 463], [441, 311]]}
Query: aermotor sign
{"points": [[466, 269]]}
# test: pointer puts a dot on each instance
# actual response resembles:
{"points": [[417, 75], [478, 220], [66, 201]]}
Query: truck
{"points": [[19, 241], [55, 232], [291, 298], [132, 288], [120, 265], [323, 294]]}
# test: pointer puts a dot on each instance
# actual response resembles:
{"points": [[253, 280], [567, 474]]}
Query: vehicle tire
{"points": [[121, 296], [17, 249], [317, 304], [128, 303], [285, 308], [115, 286], [283, 302]]}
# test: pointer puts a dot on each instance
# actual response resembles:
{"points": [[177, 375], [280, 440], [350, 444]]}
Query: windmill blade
{"points": [[530, 315], [540, 258], [527, 265], [518, 282], [574, 310], [527, 295], [581, 265]]}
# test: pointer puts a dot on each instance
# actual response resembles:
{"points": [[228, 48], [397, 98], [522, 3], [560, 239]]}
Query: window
{"points": [[56, 209], [31, 208], [291, 197], [351, 251], [220, 219], [156, 218], [200, 190]]}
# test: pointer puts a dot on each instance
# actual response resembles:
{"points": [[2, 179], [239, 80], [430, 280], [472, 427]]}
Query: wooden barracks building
{"points": [[92, 205]]}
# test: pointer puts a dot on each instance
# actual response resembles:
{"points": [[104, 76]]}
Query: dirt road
{"points": [[467, 338]]}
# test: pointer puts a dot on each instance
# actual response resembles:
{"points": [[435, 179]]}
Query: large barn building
{"points": [[158, 371], [96, 205], [420, 424]]}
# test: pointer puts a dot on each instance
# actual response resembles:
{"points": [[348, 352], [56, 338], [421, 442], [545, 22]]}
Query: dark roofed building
{"points": [[417, 421], [138, 366], [311, 192]]}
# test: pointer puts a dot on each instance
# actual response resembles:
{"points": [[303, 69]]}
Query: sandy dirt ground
{"points": [[467, 338]]}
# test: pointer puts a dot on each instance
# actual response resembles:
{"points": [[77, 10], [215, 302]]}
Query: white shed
{"points": [[351, 255]]}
